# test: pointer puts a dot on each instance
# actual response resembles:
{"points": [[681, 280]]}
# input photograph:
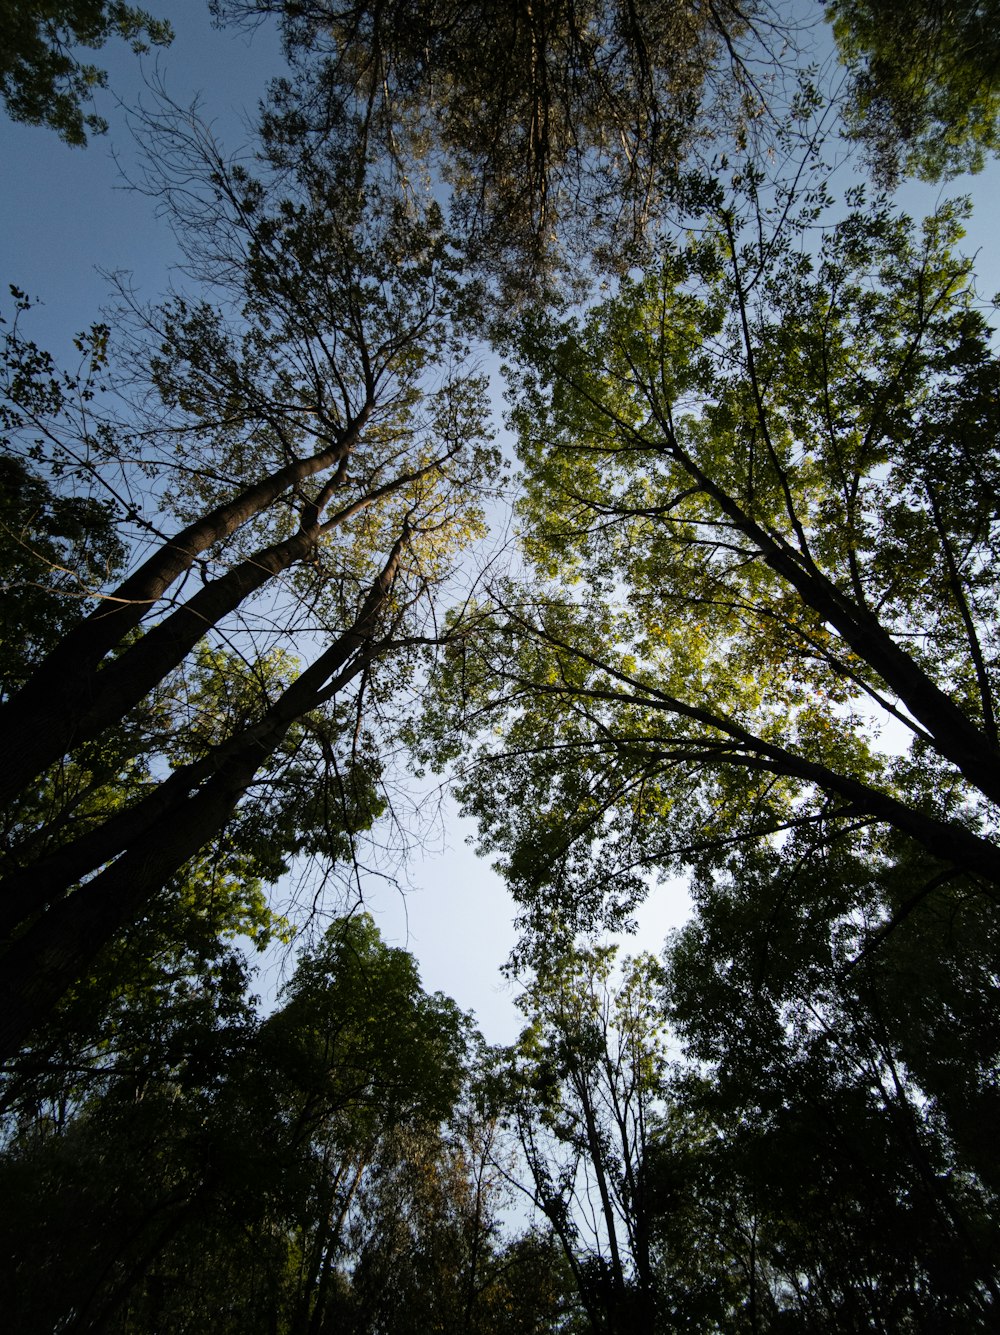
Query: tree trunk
{"points": [[60, 944], [43, 720]]}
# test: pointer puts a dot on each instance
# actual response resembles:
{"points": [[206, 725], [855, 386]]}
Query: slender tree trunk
{"points": [[61, 943], [617, 1306], [317, 1318], [43, 720], [953, 734]]}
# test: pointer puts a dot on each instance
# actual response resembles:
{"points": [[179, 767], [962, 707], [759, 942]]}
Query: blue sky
{"points": [[66, 215]]}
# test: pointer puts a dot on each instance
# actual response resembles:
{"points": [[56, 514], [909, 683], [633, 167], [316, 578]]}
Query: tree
{"points": [[560, 127], [926, 83], [321, 1169], [223, 1136], [432, 1254], [109, 1127], [760, 510], [582, 1092], [42, 81], [760, 498], [838, 1029], [321, 479]]}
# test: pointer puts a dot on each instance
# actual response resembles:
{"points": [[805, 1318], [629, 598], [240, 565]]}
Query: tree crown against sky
{"points": [[926, 84], [306, 432], [562, 130], [582, 1094], [325, 1140], [759, 503], [42, 79]]}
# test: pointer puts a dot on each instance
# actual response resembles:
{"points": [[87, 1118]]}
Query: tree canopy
{"points": [[762, 522], [43, 81], [926, 94], [744, 637]]}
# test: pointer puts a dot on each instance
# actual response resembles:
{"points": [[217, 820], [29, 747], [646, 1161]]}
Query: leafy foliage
{"points": [[761, 515], [825, 1131], [42, 80], [926, 92], [582, 1093], [561, 128], [309, 1141], [758, 518]]}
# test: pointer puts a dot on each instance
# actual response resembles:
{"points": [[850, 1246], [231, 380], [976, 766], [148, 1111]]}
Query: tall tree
{"points": [[582, 1091], [760, 499], [317, 1170], [836, 1005], [322, 461]]}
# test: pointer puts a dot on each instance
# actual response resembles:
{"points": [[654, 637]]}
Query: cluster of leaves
{"points": [[819, 1159], [837, 1004], [561, 128], [926, 83], [42, 80]]}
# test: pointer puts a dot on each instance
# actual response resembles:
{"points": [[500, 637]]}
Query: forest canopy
{"points": [[743, 638]]}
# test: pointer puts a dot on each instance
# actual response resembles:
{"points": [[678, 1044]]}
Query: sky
{"points": [[68, 219]]}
